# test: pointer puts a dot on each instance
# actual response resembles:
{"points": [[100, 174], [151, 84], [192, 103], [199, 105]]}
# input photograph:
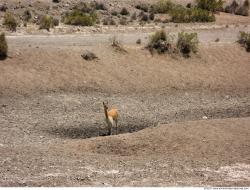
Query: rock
{"points": [[87, 55], [204, 117]]}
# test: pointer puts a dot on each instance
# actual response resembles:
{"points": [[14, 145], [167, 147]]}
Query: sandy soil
{"points": [[183, 122]]}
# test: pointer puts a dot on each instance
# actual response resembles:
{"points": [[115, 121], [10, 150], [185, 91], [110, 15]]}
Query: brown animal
{"points": [[111, 117]]}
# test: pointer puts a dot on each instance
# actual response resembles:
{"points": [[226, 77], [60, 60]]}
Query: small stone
{"points": [[204, 117]]}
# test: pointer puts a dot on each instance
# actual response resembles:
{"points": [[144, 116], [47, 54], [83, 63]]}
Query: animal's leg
{"points": [[116, 126]]}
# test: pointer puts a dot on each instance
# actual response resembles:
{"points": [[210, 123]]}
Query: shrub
{"points": [[162, 6], [27, 15], [210, 5], [10, 21], [3, 47], [246, 3], [108, 21], [114, 13], [152, 16], [144, 17], [56, 1], [123, 21], [48, 22], [242, 11], [244, 40], [124, 11], [182, 14], [187, 43], [189, 5], [76, 17], [138, 41], [117, 45], [142, 6], [232, 8], [160, 42], [133, 17], [98, 6]]}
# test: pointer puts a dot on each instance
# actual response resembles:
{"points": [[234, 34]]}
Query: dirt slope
{"points": [[213, 152]]}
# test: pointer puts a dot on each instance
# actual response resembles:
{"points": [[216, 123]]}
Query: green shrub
{"points": [[123, 21], [244, 40], [162, 6], [77, 17], [10, 21], [181, 14], [3, 47], [210, 5], [124, 11], [48, 22], [201, 15], [187, 43], [160, 42]]}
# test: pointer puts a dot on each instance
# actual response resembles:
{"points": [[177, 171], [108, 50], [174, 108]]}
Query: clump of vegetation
{"points": [[133, 16], [77, 17], [124, 11], [187, 43], [181, 14], [162, 6], [27, 15], [98, 5], [210, 5], [56, 1], [48, 22], [244, 40], [142, 6], [138, 41], [10, 21], [114, 13], [116, 44], [144, 17], [3, 47], [160, 42], [244, 9], [108, 21], [123, 21], [232, 8]]}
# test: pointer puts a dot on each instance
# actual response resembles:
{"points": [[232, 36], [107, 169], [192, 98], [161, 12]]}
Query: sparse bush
{"points": [[10, 21], [244, 40], [181, 14], [144, 17], [108, 21], [162, 6], [27, 15], [133, 17], [138, 41], [116, 44], [98, 5], [114, 13], [217, 40], [48, 22], [142, 6], [3, 47], [56, 1], [232, 8], [124, 11], [152, 16], [242, 11], [76, 17], [189, 5], [123, 21], [187, 43], [210, 5], [160, 42]]}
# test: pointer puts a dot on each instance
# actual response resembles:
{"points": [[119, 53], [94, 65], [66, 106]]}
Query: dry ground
{"points": [[52, 130]]}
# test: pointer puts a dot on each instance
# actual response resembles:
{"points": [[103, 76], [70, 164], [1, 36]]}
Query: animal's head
{"points": [[105, 105]]}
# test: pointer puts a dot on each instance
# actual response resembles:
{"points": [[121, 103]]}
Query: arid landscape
{"points": [[183, 120]]}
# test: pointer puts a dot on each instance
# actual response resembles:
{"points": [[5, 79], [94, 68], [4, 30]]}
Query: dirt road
{"points": [[225, 35]]}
